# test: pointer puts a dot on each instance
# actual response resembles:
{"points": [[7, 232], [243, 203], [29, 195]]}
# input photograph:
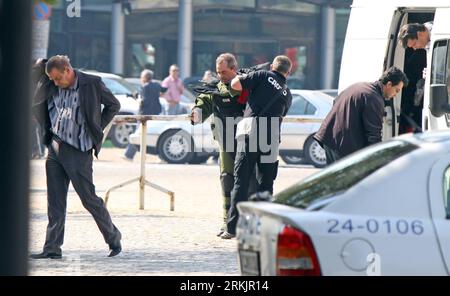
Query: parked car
{"points": [[191, 82], [295, 82], [367, 214], [127, 95], [175, 141], [330, 91], [297, 144], [178, 141]]}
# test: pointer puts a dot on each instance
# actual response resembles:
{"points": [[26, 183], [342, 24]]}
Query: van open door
{"points": [[438, 108], [394, 56], [405, 111]]}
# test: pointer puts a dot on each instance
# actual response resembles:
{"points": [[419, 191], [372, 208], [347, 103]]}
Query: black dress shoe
{"points": [[44, 255], [115, 250]]}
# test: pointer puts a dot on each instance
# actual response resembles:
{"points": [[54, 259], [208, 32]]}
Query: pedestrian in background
{"points": [[149, 105], [356, 119], [68, 106], [175, 88]]}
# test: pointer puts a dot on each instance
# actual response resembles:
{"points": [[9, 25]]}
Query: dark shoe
{"points": [[220, 232], [44, 255], [227, 235], [115, 250]]}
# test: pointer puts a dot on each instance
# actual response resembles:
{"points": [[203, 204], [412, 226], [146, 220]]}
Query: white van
{"points": [[371, 46]]}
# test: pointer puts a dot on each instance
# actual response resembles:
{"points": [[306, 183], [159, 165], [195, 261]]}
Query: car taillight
{"points": [[296, 254]]}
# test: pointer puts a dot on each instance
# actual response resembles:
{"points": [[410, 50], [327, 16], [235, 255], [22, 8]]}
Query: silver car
{"points": [[297, 145], [180, 142]]}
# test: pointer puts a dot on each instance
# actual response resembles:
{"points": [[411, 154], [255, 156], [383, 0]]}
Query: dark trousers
{"points": [[66, 164], [131, 150], [244, 166], [331, 154]]}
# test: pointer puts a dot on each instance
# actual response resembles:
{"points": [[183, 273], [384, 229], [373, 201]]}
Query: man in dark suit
{"points": [[67, 104]]}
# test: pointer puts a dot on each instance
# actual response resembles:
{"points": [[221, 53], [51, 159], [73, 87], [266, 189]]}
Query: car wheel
{"points": [[176, 146], [119, 134], [314, 153], [292, 159]]}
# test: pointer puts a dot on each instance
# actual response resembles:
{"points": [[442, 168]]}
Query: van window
{"points": [[439, 63], [314, 192], [440, 67]]}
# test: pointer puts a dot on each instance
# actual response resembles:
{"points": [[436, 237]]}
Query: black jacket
{"points": [[356, 119], [92, 93], [150, 104]]}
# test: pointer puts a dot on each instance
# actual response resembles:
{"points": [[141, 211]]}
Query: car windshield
{"points": [[318, 190], [118, 87]]}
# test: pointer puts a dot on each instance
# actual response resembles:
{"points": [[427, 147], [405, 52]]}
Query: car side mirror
{"points": [[135, 94], [439, 100]]}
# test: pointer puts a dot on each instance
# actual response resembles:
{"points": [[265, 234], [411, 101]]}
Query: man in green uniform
{"points": [[215, 99]]}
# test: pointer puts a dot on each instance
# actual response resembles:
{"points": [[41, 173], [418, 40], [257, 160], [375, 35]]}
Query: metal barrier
{"points": [[143, 151], [141, 179]]}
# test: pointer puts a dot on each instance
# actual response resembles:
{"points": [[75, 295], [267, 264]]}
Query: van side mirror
{"points": [[439, 100]]}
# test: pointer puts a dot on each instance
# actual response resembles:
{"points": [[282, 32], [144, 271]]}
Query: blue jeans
{"points": [[130, 152]]}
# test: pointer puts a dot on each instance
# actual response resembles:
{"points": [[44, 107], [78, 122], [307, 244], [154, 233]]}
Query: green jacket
{"points": [[223, 105]]}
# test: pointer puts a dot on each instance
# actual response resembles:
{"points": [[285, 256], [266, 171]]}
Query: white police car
{"points": [[384, 210]]}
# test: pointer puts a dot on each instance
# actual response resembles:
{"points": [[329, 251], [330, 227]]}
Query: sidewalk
{"points": [[155, 241]]}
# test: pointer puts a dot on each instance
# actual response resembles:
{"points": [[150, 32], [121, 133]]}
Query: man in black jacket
{"points": [[150, 104], [67, 104], [269, 101], [356, 119]]}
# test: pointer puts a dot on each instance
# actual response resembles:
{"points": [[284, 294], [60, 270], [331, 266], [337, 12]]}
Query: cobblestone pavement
{"points": [[155, 241]]}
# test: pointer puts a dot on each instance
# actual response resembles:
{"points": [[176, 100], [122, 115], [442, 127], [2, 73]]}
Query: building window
{"points": [[298, 56], [143, 57], [288, 6]]}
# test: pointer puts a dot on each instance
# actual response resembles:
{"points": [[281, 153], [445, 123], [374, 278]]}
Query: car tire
{"points": [[176, 146], [314, 153], [120, 133], [288, 159]]}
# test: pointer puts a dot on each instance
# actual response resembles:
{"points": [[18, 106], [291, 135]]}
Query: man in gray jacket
{"points": [[356, 119]]}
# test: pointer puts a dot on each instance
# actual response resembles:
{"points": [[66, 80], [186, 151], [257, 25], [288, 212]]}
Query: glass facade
{"points": [[254, 36], [255, 31], [86, 40]]}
